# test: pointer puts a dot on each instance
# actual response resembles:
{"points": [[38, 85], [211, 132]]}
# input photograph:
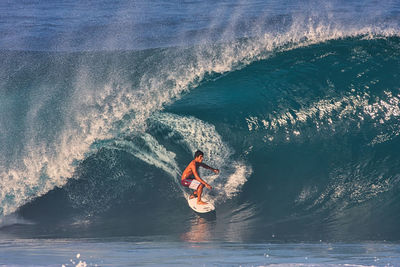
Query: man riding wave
{"points": [[191, 178]]}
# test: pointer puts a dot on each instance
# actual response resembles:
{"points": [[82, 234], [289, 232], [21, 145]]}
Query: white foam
{"points": [[237, 179], [357, 107], [151, 152], [80, 263], [306, 194], [201, 135], [348, 186], [197, 135], [94, 112]]}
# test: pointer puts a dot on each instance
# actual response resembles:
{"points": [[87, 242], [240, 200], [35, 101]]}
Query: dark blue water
{"points": [[103, 104], [139, 252]]}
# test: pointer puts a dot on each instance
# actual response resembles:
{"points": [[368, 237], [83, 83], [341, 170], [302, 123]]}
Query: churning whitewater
{"points": [[303, 121]]}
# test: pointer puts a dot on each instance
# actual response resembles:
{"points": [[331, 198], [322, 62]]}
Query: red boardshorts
{"points": [[191, 183]]}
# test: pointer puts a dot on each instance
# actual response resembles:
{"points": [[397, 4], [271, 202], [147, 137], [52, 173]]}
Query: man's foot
{"points": [[201, 202], [193, 195]]}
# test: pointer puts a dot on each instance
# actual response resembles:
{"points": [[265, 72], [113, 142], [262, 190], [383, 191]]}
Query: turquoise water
{"points": [[103, 104], [318, 152]]}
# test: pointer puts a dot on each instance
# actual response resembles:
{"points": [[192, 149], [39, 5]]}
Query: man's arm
{"points": [[208, 167], [197, 176]]}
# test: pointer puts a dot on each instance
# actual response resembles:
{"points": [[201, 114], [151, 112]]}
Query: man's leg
{"points": [[199, 192], [193, 184], [193, 195]]}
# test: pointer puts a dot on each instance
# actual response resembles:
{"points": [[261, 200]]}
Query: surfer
{"points": [[191, 178]]}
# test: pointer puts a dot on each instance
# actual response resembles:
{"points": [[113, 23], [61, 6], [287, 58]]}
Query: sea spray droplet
{"points": [[81, 264], [78, 256]]}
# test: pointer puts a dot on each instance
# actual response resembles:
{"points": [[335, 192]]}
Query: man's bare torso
{"points": [[188, 172]]}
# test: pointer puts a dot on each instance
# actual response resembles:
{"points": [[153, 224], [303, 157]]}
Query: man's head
{"points": [[198, 156]]}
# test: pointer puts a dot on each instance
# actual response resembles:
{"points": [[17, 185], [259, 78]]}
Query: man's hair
{"points": [[198, 153]]}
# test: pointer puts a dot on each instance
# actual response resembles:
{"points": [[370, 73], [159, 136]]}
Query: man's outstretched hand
{"points": [[216, 171]]}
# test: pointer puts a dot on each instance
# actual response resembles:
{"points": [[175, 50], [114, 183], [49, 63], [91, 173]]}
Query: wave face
{"points": [[302, 121]]}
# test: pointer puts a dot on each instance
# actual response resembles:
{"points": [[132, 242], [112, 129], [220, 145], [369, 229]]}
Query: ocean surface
{"points": [[103, 103]]}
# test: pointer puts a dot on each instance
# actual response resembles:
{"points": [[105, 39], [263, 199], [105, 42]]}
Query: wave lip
{"points": [[120, 106], [197, 134], [330, 165]]}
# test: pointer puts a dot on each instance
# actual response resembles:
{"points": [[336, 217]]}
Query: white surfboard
{"points": [[200, 208]]}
